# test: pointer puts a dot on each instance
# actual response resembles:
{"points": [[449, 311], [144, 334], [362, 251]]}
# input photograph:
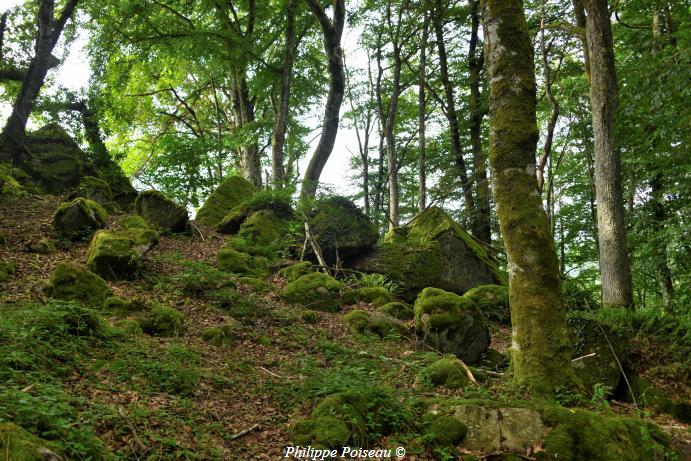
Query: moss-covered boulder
{"points": [[447, 372], [118, 255], [292, 273], [95, 189], [443, 432], [222, 335], [161, 212], [397, 310], [44, 246], [432, 251], [56, 161], [493, 302], [7, 269], [316, 291], [373, 295], [590, 336], [648, 395], [79, 218], [11, 181], [163, 321], [451, 323], [232, 191], [277, 202], [18, 444], [376, 323], [340, 229], [230, 260], [72, 282], [262, 234]]}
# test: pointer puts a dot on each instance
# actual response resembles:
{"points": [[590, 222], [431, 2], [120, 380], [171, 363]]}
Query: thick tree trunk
{"points": [[615, 274], [541, 350], [421, 116], [332, 31], [281, 125], [483, 226], [243, 111], [452, 117], [49, 30]]}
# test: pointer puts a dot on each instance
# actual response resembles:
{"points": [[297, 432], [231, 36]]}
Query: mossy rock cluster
{"points": [[79, 218], [95, 189], [340, 229], [451, 323], [432, 251], [590, 336], [398, 310], [376, 323], [71, 282], [295, 271], [447, 372], [56, 161], [161, 212], [118, 255], [236, 262], [371, 295], [18, 444], [316, 291], [163, 321], [7, 270], [232, 191], [345, 419], [493, 302], [268, 200]]}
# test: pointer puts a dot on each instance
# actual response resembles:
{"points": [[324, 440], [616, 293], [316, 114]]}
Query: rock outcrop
{"points": [[316, 291], [161, 212], [432, 251], [71, 282], [451, 323], [79, 218], [230, 193]]}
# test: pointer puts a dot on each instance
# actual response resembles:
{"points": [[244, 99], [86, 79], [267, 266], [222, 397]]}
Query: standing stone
{"points": [[161, 212]]}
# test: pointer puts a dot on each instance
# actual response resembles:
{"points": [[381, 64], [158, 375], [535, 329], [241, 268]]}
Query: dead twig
{"points": [[200, 232], [270, 372], [243, 432]]}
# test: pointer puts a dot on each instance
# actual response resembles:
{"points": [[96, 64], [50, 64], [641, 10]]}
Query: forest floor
{"points": [[146, 397]]}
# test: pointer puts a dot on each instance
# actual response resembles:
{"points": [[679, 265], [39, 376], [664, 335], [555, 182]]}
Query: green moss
{"points": [[374, 295], [579, 435], [452, 323], [324, 432], [45, 246], [133, 222], [493, 302], [444, 432], [364, 322], [276, 201], [95, 189], [292, 273], [72, 282], [161, 212], [257, 285], [9, 185], [221, 335], [79, 218], [17, 444], [494, 360], [447, 372], [163, 321], [129, 327], [113, 256], [116, 304], [316, 291], [7, 269], [261, 234], [232, 261], [397, 310], [232, 191]]}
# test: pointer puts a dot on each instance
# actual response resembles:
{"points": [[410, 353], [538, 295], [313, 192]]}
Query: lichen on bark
{"points": [[541, 354]]}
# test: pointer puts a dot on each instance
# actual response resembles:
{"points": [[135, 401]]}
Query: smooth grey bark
{"points": [[483, 222], [615, 274], [332, 31], [49, 31], [421, 116], [281, 124], [452, 117]]}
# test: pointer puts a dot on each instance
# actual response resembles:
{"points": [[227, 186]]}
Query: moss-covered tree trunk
{"points": [[615, 274], [541, 352]]}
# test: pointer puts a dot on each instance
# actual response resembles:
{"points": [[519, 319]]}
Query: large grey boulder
{"points": [[79, 218], [161, 212], [432, 251]]}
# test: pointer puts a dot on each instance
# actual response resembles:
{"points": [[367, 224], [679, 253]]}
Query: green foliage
{"points": [[72, 282], [443, 433], [197, 278], [365, 280], [163, 321], [447, 372]]}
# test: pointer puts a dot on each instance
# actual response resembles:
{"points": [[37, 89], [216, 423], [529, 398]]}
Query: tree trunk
{"points": [[332, 31], [614, 260], [421, 115], [581, 21], [381, 116], [541, 350], [243, 110], [281, 125], [456, 149], [49, 30], [483, 226]]}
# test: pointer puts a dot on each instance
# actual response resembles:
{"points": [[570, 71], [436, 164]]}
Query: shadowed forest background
{"points": [[190, 271]]}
